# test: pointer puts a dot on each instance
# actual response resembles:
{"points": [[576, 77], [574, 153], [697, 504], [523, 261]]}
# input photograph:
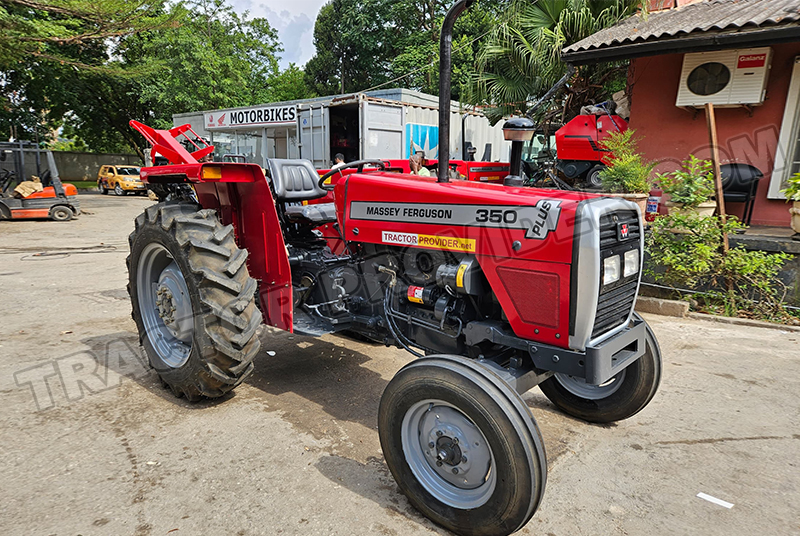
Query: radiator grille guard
{"points": [[604, 227], [616, 301]]}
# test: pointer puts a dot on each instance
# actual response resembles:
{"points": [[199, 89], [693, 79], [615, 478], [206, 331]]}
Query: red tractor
{"points": [[496, 289], [581, 156]]}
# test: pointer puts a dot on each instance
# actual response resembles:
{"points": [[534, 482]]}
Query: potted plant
{"points": [[627, 174], [690, 188], [792, 193]]}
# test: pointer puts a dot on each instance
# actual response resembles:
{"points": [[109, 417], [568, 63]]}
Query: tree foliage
{"points": [[377, 42], [200, 55], [57, 30], [522, 59]]}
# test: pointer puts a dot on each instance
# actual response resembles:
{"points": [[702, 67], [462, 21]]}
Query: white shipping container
{"points": [[385, 124]]}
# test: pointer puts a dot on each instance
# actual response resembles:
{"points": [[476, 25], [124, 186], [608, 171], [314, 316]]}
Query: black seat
{"points": [[739, 185], [295, 181]]}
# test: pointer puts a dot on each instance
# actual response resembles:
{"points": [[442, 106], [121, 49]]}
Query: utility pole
{"points": [[711, 120]]}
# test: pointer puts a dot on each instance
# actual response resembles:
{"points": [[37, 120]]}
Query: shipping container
{"points": [[382, 124]]}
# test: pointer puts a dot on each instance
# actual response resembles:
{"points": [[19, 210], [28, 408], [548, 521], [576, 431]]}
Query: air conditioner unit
{"points": [[725, 77]]}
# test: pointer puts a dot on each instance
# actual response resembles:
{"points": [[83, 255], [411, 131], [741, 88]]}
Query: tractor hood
{"points": [[469, 217]]}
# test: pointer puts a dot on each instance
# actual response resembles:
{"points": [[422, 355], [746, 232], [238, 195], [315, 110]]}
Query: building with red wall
{"points": [[765, 135]]}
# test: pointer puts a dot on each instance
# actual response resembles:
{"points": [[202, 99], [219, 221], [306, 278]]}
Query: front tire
{"points": [[193, 300], [119, 191], [593, 179], [485, 473], [61, 213], [623, 396]]}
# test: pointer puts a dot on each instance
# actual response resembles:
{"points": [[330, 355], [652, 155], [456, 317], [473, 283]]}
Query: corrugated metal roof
{"points": [[698, 18]]}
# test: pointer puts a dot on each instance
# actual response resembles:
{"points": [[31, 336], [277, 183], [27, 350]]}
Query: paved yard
{"points": [[295, 450]]}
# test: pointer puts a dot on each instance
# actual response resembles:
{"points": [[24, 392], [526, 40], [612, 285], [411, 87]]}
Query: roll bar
{"points": [[445, 64]]}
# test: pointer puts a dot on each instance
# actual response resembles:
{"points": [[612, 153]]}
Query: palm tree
{"points": [[522, 59]]}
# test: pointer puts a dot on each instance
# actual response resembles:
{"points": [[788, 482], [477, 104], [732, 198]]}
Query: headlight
{"points": [[631, 263], [610, 269]]}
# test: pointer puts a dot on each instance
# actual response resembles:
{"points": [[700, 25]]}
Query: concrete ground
{"points": [[91, 444]]}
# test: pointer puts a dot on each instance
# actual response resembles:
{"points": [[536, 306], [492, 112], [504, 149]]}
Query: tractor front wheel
{"points": [[623, 396], [462, 446], [193, 300]]}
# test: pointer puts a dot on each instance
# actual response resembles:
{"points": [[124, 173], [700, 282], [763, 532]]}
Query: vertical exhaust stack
{"points": [[445, 48]]}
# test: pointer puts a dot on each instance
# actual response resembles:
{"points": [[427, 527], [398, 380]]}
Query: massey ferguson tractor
{"points": [[494, 288]]}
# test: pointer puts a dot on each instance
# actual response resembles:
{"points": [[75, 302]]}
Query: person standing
{"points": [[416, 163], [338, 161]]}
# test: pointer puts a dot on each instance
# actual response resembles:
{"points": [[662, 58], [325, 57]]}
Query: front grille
{"points": [[608, 228], [615, 301]]}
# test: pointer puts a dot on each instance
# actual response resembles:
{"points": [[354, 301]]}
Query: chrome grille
{"points": [[616, 300]]}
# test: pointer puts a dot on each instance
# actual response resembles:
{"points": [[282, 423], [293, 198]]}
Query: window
{"points": [[787, 154], [224, 143]]}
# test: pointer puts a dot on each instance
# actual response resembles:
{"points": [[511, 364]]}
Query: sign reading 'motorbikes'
{"points": [[258, 116]]}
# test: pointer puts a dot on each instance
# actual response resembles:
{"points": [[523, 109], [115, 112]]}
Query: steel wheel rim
{"points": [[579, 387], [60, 214], [165, 305], [118, 189], [437, 422]]}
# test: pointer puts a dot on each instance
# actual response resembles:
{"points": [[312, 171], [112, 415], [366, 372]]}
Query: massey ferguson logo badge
{"points": [[622, 231]]}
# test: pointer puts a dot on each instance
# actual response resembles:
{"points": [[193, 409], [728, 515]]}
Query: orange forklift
{"points": [[56, 201]]}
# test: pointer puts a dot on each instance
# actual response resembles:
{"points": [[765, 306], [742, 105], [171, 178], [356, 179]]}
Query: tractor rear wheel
{"points": [[623, 396], [193, 300], [462, 446]]}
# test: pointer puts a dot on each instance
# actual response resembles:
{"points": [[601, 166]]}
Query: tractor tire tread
{"points": [[226, 316]]}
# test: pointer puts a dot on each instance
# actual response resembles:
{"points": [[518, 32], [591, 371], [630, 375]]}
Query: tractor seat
{"points": [[319, 214], [294, 180]]}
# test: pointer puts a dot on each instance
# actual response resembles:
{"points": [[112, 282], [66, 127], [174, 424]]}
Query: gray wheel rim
{"points": [[118, 190], [60, 214], [594, 179], [459, 469], [165, 305], [579, 387]]}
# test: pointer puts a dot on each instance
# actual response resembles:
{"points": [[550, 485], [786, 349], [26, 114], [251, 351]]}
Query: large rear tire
{"points": [[193, 300], [623, 396], [462, 446]]}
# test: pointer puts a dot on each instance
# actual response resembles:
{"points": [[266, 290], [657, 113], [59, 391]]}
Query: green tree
{"points": [[382, 43], [52, 30], [211, 57], [521, 60], [286, 85], [354, 43], [416, 59]]}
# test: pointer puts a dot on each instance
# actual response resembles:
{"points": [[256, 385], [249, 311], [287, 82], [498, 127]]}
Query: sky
{"points": [[294, 21]]}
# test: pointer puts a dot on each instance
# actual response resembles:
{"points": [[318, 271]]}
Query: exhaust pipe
{"points": [[445, 63]]}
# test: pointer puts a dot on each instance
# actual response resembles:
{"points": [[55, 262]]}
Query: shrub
{"points": [[627, 171], [690, 185], [686, 253], [792, 192]]}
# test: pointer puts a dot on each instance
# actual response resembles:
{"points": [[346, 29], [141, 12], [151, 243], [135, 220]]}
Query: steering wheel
{"points": [[357, 164]]}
